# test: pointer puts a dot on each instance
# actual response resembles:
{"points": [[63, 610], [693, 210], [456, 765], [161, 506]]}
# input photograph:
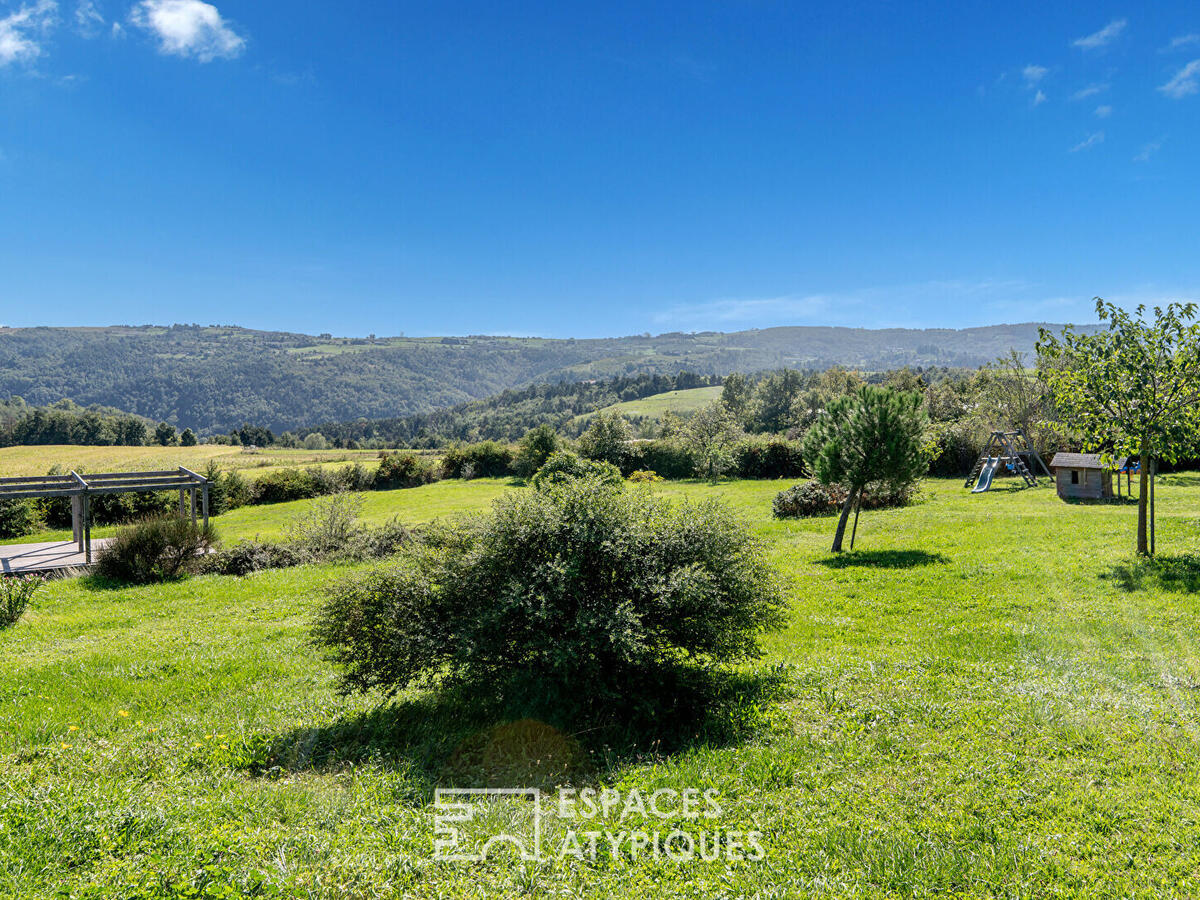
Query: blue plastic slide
{"points": [[985, 475]]}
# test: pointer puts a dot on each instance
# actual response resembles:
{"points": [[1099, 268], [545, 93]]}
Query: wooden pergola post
{"points": [[77, 521], [87, 529]]}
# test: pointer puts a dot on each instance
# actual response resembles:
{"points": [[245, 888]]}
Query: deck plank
{"points": [[28, 559]]}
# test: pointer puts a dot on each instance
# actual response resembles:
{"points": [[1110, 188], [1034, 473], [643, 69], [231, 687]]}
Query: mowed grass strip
{"points": [[989, 697], [17, 461]]}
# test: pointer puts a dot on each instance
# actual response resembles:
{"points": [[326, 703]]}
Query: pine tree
{"points": [[872, 436]]}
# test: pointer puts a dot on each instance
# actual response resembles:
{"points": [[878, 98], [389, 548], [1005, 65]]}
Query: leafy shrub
{"points": [[283, 485], [815, 499], [226, 490], [669, 458], [326, 526], [489, 459], [607, 438], [564, 465], [376, 543], [245, 557], [326, 531], [15, 593], [644, 476], [17, 518], [576, 591], [808, 499], [158, 549], [768, 457], [402, 470], [953, 447], [535, 448], [884, 496]]}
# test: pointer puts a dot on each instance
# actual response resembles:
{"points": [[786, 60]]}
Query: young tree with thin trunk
{"points": [[1130, 390], [872, 436], [710, 436]]}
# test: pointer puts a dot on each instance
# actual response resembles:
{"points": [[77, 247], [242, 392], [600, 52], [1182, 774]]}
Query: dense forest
{"points": [[213, 379], [66, 422]]}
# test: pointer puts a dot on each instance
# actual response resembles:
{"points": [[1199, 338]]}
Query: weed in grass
{"points": [[15, 593]]}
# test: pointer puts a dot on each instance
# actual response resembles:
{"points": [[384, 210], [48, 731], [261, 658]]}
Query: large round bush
{"points": [[563, 465], [578, 588]]}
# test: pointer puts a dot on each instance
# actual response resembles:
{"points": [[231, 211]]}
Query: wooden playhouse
{"points": [[1084, 476]]}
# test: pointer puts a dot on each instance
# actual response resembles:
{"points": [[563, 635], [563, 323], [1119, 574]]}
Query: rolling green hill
{"points": [[681, 402], [215, 378]]}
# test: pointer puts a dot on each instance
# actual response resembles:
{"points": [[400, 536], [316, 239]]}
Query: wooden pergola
{"points": [[81, 488]]}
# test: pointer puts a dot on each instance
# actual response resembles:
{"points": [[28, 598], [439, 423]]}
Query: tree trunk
{"points": [[1143, 544], [851, 499], [854, 530], [1153, 480]]}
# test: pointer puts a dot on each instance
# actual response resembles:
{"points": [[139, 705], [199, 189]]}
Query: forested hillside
{"points": [[213, 379], [508, 415]]}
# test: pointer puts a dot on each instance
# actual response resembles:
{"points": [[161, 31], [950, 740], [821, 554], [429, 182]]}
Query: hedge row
{"points": [[753, 457]]}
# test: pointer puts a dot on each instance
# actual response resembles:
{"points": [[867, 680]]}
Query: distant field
{"points": [[681, 402], [37, 460]]}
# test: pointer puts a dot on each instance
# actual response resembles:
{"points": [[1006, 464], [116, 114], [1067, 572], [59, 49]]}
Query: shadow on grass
{"points": [[453, 736], [884, 559], [1007, 487], [1171, 573], [1179, 480], [91, 581]]}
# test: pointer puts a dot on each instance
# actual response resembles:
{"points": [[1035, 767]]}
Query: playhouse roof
{"points": [[1082, 461]]}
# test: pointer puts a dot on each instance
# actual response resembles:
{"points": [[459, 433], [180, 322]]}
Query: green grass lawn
{"points": [[989, 697]]}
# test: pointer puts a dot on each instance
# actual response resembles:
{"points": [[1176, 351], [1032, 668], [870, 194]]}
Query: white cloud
{"points": [[1186, 81], [1184, 40], [1096, 137], [1103, 112], [88, 18], [1039, 98], [1149, 150], [1033, 74], [875, 307], [21, 32], [1090, 91], [1103, 37], [188, 28]]}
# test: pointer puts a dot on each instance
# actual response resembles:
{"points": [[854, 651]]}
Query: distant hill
{"points": [[682, 402], [215, 378]]}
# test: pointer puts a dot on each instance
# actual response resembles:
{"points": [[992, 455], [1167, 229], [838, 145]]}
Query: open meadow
{"points": [[988, 697], [37, 460]]}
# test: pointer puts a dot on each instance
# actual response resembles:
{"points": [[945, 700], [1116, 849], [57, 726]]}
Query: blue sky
{"points": [[573, 169]]}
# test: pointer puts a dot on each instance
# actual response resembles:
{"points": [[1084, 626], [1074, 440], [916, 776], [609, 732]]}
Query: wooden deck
{"points": [[27, 559]]}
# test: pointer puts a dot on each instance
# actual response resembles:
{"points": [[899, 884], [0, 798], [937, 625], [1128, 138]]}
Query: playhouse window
{"points": [[1074, 476]]}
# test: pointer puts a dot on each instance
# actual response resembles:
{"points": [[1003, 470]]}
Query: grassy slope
{"points": [[987, 699], [682, 402]]}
